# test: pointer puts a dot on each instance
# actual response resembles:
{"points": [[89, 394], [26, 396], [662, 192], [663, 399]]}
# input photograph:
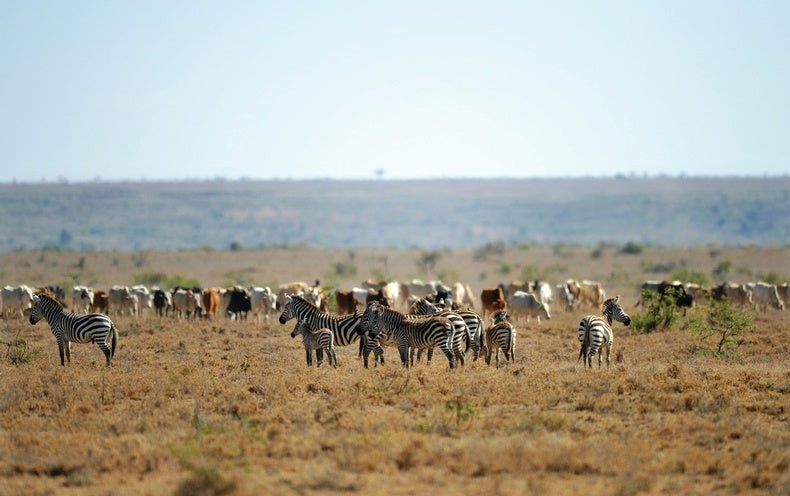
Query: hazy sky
{"points": [[291, 89]]}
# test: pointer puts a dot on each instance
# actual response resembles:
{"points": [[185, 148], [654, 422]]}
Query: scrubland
{"points": [[230, 407]]}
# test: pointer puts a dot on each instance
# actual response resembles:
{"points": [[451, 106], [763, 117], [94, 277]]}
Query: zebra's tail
{"points": [[585, 344], [113, 341]]}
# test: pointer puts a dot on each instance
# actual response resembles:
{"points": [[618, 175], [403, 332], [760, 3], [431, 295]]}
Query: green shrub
{"points": [[662, 312], [722, 320]]}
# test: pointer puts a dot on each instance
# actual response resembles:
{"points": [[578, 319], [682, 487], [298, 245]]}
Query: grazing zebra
{"points": [[322, 339], [500, 335], [346, 328], [594, 331], [411, 332], [69, 328]]}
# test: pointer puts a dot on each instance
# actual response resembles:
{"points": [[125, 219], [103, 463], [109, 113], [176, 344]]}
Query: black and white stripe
{"points": [[501, 335], [411, 332], [596, 331], [69, 328], [346, 328], [321, 339], [470, 334]]}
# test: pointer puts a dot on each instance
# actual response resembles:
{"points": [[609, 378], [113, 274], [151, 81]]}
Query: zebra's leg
{"points": [[62, 351], [332, 356], [404, 351], [319, 355], [309, 354], [608, 352], [106, 350], [448, 353], [68, 352]]}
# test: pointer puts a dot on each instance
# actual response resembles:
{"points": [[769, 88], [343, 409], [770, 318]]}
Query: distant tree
{"points": [[427, 260], [722, 270], [235, 246], [722, 320]]}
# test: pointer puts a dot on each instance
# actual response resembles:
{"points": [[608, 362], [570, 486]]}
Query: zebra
{"points": [[500, 335], [322, 339], [346, 328], [411, 332], [69, 328], [471, 332], [594, 331]]}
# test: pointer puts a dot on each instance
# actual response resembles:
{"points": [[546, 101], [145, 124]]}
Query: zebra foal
{"points": [[321, 339], [595, 331], [500, 335], [69, 328]]}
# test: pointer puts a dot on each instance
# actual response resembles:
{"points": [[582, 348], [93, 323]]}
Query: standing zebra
{"points": [[69, 328], [322, 339], [500, 335], [594, 331], [411, 332], [346, 328], [470, 333]]}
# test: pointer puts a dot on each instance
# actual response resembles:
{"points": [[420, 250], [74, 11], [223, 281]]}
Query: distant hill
{"points": [[385, 213]]}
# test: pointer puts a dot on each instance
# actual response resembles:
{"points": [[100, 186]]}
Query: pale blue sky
{"points": [[201, 90]]}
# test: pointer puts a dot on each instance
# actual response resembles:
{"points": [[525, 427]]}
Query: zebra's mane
{"points": [[46, 295], [319, 311]]}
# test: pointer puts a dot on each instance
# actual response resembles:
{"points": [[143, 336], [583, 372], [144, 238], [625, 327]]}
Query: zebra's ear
{"points": [[36, 298], [617, 298]]}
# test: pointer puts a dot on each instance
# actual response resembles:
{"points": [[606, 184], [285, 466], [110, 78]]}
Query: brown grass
{"points": [[225, 407]]}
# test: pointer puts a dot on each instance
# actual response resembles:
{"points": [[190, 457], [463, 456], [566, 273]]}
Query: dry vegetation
{"points": [[220, 407]]}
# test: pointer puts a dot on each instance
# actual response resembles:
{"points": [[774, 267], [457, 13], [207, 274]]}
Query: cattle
{"points": [[101, 302], [765, 296], [210, 307], [392, 293], [145, 298], [292, 288], [517, 286], [163, 302], [262, 302], [420, 289], [575, 289], [238, 303], [187, 302], [592, 293], [784, 293], [527, 304], [736, 294], [377, 296], [122, 299], [491, 300], [699, 295], [17, 299], [543, 291], [346, 303], [462, 295], [563, 295], [81, 298]]}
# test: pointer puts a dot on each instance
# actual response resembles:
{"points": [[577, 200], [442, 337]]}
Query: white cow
{"points": [[145, 299], [523, 303], [187, 303], [765, 295], [262, 301], [564, 296], [17, 299], [462, 294], [82, 298], [393, 294], [122, 299]]}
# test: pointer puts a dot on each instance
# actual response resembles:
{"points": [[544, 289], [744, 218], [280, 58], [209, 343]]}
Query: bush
{"points": [[722, 320], [631, 248], [662, 310]]}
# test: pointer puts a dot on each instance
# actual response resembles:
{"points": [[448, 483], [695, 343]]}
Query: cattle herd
{"points": [[519, 299]]}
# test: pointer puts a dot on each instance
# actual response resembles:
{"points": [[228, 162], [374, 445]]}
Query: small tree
{"points": [[722, 320], [662, 310]]}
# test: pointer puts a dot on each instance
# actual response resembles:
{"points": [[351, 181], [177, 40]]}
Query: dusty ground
{"points": [[221, 407]]}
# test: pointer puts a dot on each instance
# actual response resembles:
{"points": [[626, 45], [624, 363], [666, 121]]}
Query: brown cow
{"points": [[346, 303], [492, 299], [210, 303], [101, 301]]}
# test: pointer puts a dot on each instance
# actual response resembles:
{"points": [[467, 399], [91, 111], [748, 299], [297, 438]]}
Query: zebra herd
{"points": [[427, 326]]}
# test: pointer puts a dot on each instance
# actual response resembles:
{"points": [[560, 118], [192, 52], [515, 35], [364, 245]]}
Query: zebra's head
{"points": [[613, 311], [288, 311], [423, 307], [370, 321], [37, 313], [298, 328]]}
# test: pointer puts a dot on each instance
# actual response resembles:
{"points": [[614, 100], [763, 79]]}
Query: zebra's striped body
{"points": [[346, 328], [500, 335], [411, 332], [596, 331], [322, 339], [470, 334], [69, 328]]}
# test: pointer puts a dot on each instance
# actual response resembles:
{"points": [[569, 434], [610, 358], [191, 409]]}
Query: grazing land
{"points": [[230, 407]]}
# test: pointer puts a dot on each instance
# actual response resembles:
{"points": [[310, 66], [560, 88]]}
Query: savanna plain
{"points": [[230, 407]]}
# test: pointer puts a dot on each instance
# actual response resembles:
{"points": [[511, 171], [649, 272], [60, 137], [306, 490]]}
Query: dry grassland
{"points": [[221, 407]]}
